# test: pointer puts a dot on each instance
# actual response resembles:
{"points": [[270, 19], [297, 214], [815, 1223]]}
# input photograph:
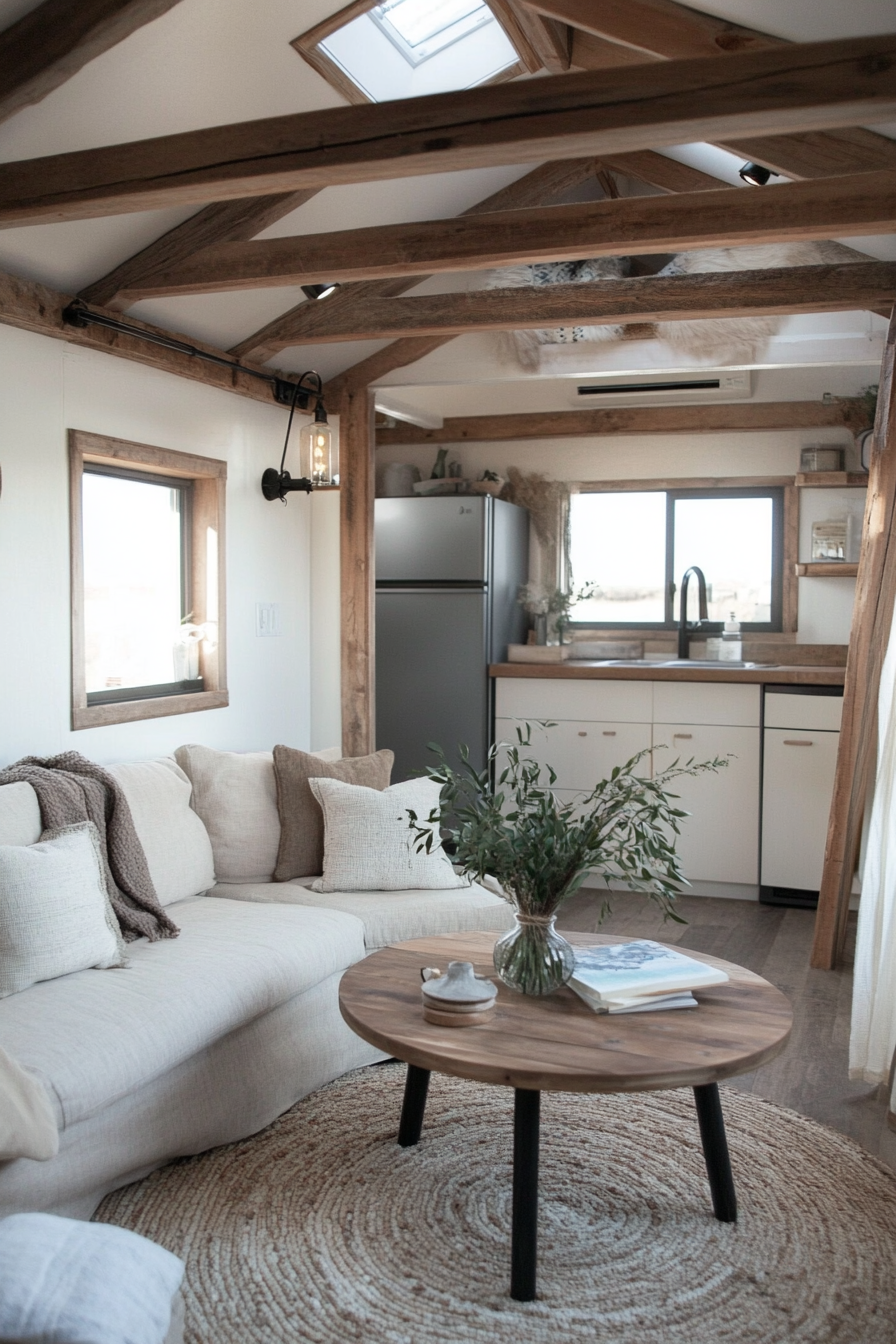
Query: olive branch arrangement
{"points": [[540, 849]]}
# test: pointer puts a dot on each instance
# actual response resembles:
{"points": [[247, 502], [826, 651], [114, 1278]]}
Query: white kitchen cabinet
{"points": [[582, 751], [800, 757], [719, 842], [535, 698]]}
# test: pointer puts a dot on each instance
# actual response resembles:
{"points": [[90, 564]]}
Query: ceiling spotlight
{"points": [[755, 173], [319, 291]]}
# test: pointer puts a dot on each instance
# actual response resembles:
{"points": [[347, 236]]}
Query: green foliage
{"points": [[540, 849]]}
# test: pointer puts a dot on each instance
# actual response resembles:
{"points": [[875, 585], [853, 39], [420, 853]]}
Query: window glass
{"points": [[134, 580], [618, 541], [422, 28], [731, 541]]}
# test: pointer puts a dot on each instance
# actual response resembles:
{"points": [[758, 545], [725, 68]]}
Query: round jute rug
{"points": [[321, 1229]]}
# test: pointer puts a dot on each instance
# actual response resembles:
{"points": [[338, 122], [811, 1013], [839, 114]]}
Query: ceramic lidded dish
{"points": [[459, 998]]}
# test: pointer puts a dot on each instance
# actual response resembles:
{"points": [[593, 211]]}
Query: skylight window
{"points": [[420, 29], [405, 48]]}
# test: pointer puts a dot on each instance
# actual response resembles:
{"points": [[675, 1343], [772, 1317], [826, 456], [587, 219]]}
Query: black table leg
{"points": [[715, 1150], [524, 1235], [415, 1090]]}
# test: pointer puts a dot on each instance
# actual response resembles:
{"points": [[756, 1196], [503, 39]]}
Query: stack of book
{"points": [[639, 977]]}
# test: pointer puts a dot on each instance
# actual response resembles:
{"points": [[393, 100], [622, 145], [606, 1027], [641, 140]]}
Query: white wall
{"points": [[825, 604], [47, 387]]}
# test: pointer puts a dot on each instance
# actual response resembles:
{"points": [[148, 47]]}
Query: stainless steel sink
{"points": [[671, 662]]}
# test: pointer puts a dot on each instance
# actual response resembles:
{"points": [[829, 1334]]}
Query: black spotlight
{"points": [[319, 291], [755, 173]]}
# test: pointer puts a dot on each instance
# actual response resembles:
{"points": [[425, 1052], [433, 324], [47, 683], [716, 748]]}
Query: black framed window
{"points": [[137, 574], [636, 545]]}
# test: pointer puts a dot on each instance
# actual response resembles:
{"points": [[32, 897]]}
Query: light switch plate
{"points": [[267, 620]]}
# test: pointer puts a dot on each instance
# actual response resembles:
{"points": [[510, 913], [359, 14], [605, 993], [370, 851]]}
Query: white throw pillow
{"points": [[20, 822], [27, 1124], [235, 795], [55, 914], [69, 1282], [175, 842], [368, 841]]}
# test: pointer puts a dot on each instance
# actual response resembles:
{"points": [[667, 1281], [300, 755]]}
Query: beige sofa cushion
{"points": [[92, 1043], [393, 916], [175, 842], [55, 912], [235, 795], [27, 1123], [20, 822], [301, 852]]}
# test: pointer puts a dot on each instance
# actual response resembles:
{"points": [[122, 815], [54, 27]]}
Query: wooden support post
{"points": [[871, 623], [356, 434]]}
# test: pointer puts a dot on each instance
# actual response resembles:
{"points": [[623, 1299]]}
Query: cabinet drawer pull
{"points": [[687, 735], [796, 742], [583, 734], [609, 734]]}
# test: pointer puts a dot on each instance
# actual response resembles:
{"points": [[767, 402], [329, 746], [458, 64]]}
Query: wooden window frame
{"points": [[208, 477], [307, 44], [723, 484]]}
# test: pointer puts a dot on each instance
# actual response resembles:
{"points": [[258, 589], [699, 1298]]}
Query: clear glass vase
{"points": [[532, 957]]}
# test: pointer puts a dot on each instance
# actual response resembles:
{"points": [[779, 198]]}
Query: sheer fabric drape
{"points": [[872, 1043]]}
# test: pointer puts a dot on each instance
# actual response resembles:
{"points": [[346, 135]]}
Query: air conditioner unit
{"points": [[736, 385]]}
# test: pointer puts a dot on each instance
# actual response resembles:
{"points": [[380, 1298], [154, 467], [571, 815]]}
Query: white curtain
{"points": [[872, 1041]]}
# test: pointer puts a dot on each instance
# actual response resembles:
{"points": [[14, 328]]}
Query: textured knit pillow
{"points": [[27, 1124], [69, 1282], [55, 915], [368, 841], [301, 852]]}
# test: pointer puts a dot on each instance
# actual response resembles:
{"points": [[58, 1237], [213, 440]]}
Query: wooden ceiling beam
{"points": [[835, 207], [225, 221], [715, 418], [663, 30], [33, 307], [658, 170], [58, 38], [656, 27], [548, 40], [539, 187], [788, 89], [804, 289]]}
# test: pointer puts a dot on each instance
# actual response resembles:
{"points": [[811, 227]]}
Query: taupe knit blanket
{"points": [[70, 789]]}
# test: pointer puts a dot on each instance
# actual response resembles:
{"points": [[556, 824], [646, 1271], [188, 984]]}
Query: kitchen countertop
{"points": [[583, 671]]}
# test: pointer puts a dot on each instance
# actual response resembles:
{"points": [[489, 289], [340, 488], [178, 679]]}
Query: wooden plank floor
{"points": [[811, 1075]]}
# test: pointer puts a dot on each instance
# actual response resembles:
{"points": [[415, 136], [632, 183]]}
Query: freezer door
{"points": [[431, 678], [441, 540]]}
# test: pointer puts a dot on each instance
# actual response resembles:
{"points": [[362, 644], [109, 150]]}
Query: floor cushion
{"points": [[393, 916], [93, 1038]]}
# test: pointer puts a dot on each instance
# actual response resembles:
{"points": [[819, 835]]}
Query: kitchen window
{"points": [[147, 605], [635, 545]]}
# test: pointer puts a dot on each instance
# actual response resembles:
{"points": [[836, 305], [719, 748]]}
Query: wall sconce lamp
{"points": [[318, 446], [756, 175]]}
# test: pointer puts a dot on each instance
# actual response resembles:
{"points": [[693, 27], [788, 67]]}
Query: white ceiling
{"points": [[206, 63]]}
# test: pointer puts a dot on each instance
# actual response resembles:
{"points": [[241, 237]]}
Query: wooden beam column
{"points": [[356, 433], [871, 626]]}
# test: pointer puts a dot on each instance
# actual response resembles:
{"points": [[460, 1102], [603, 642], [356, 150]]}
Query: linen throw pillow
{"points": [[55, 914], [368, 841], [27, 1123], [301, 852]]}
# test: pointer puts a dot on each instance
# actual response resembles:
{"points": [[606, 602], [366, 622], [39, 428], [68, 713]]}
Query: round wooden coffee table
{"points": [[557, 1044]]}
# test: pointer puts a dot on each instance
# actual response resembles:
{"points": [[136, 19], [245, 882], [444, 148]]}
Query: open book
{"points": [[642, 976]]}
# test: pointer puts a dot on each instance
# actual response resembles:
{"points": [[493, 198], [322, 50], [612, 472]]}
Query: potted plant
{"points": [[536, 850]]}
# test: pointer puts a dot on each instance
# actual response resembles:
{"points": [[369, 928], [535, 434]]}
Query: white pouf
{"points": [[67, 1282]]}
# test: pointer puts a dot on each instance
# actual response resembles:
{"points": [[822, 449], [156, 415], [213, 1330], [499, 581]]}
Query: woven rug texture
{"points": [[322, 1230]]}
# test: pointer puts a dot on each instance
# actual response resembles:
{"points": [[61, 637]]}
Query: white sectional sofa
{"points": [[207, 1037]]}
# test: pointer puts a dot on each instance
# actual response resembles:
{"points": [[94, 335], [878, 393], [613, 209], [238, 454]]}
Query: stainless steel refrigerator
{"points": [[448, 570]]}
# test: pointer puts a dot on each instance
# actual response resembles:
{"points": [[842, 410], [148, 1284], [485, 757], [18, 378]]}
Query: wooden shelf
{"points": [[826, 569], [830, 479]]}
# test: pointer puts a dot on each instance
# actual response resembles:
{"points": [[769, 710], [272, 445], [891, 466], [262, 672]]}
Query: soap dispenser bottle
{"points": [[732, 646]]}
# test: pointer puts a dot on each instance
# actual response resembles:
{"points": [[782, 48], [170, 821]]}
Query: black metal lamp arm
{"points": [[277, 484]]}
